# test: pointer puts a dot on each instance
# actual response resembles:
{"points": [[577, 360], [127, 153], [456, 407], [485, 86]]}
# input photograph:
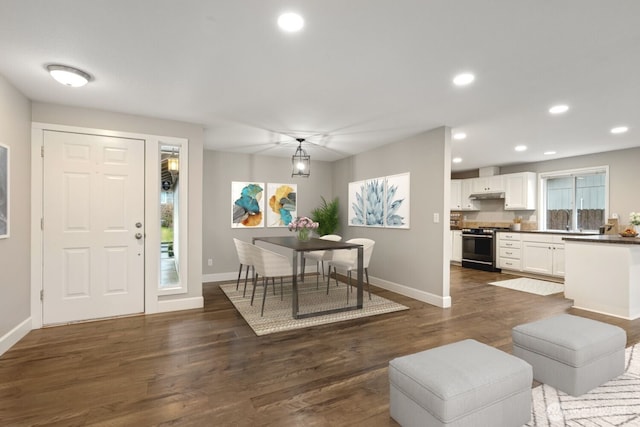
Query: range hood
{"points": [[488, 195]]}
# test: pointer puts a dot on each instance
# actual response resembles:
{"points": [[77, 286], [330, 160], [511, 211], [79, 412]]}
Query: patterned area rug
{"points": [[277, 313], [615, 403], [533, 286]]}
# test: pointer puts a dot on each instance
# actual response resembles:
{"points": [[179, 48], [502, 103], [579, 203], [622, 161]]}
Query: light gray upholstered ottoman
{"points": [[571, 353], [466, 383]]}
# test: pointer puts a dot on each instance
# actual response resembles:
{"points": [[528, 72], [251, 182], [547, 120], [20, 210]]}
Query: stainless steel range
{"points": [[479, 248]]}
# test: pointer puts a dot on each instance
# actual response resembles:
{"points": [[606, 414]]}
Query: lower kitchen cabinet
{"points": [[543, 258], [538, 253], [456, 245]]}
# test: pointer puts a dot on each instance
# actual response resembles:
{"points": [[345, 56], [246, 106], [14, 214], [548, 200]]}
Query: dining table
{"points": [[298, 247]]}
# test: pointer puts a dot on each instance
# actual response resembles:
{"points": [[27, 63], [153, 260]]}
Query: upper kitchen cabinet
{"points": [[456, 195], [520, 191], [488, 184], [467, 189]]}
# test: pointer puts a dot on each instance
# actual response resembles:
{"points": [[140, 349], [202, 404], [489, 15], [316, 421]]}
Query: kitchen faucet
{"points": [[568, 225]]}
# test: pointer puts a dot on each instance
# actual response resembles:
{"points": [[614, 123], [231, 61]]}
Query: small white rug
{"points": [[277, 313], [533, 286], [615, 403]]}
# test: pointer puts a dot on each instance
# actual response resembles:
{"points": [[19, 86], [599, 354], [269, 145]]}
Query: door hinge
{"points": [[42, 151], [41, 294]]}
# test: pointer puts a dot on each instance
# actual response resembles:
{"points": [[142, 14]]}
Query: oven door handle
{"points": [[480, 236]]}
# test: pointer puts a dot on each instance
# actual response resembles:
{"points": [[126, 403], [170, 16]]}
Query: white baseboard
{"points": [[180, 304], [429, 298], [13, 336]]}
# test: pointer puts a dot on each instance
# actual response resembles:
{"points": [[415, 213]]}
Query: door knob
{"points": [[138, 236], [138, 225]]}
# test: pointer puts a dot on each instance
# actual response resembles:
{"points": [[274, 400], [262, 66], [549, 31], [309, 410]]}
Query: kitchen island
{"points": [[602, 274]]}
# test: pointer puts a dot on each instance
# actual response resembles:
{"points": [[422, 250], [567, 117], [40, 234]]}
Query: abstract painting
{"points": [[4, 191], [283, 207], [380, 202], [247, 204]]}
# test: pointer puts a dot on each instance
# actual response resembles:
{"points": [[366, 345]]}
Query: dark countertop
{"points": [[564, 233], [607, 238]]}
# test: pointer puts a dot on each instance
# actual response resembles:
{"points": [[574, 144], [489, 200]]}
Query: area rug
{"points": [[615, 403], [533, 286], [277, 313]]}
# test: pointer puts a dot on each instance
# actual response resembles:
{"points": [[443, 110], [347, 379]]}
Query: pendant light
{"points": [[301, 162]]}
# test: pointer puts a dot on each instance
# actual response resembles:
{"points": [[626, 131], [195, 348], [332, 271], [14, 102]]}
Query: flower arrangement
{"points": [[634, 218], [304, 226]]}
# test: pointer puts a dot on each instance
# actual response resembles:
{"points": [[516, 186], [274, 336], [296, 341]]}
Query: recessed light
{"points": [[521, 148], [463, 79], [549, 153], [459, 135], [290, 22], [68, 76], [559, 109], [619, 129], [456, 160]]}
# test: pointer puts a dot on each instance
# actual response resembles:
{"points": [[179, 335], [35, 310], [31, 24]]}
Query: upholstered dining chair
{"points": [[320, 256], [269, 265], [347, 259], [244, 256]]}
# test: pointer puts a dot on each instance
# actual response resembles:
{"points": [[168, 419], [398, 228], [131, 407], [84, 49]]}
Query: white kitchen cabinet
{"points": [[488, 184], [509, 251], [456, 195], [520, 191], [543, 254], [456, 245], [466, 190]]}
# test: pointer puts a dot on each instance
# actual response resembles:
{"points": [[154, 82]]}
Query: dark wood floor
{"points": [[207, 368]]}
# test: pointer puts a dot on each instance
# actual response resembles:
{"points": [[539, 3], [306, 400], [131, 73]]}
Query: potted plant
{"points": [[327, 216]]}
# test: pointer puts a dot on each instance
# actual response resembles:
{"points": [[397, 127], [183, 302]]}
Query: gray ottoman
{"points": [[571, 353], [466, 383]]}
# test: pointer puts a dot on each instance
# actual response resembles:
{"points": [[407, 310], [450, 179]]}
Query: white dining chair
{"points": [[243, 250], [347, 259], [320, 256], [269, 265]]}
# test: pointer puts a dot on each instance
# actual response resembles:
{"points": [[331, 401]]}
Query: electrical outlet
{"points": [[436, 217], [210, 262]]}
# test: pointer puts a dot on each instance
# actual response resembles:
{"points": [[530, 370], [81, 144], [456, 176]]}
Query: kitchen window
{"points": [[574, 200]]}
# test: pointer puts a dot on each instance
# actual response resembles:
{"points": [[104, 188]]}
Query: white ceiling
{"points": [[361, 74]]}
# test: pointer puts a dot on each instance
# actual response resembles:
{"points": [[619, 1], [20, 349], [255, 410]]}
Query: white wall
{"points": [[411, 262], [15, 131], [220, 169], [97, 119]]}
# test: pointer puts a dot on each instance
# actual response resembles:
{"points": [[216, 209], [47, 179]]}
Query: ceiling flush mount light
{"points": [[68, 76], [290, 22], [301, 161], [463, 79], [459, 136], [521, 148], [559, 109], [456, 160], [618, 130]]}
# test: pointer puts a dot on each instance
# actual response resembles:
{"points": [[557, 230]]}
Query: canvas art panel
{"points": [[380, 202], [247, 204], [4, 191], [397, 201], [282, 206]]}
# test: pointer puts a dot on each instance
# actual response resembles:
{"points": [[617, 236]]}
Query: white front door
{"points": [[93, 210]]}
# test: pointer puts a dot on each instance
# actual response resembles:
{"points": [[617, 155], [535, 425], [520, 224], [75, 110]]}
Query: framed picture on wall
{"points": [[397, 201], [247, 204], [282, 204], [4, 191]]}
